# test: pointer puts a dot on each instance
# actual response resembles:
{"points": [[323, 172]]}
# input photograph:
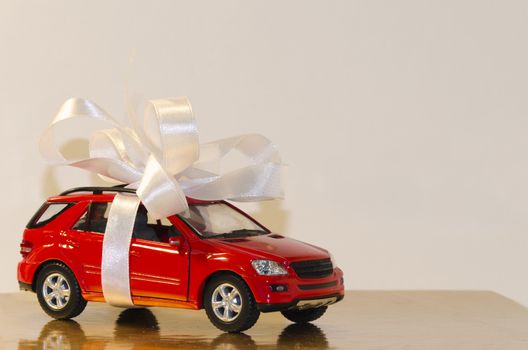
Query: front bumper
{"points": [[298, 292]]}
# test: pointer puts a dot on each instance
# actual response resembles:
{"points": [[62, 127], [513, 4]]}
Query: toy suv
{"points": [[214, 256]]}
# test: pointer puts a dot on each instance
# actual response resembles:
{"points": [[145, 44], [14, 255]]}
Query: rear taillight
{"points": [[25, 248]]}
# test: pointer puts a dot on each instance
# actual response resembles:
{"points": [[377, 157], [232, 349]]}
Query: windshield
{"points": [[220, 220]]}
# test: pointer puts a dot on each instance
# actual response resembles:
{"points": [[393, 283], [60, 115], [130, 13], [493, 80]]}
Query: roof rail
{"points": [[98, 190]]}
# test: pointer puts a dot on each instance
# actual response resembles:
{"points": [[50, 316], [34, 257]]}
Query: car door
{"points": [[157, 268], [86, 237]]}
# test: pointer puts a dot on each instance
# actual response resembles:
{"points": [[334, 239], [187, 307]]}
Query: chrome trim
{"points": [[313, 303]]}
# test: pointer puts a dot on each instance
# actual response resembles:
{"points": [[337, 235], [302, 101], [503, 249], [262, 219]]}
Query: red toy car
{"points": [[214, 256]]}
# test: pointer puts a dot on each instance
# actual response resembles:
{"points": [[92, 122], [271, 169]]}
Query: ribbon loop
{"points": [[170, 127]]}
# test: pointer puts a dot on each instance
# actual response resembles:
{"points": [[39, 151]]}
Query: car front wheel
{"points": [[58, 292], [229, 304]]}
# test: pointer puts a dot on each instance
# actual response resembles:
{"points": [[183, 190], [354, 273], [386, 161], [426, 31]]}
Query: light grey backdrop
{"points": [[403, 122]]}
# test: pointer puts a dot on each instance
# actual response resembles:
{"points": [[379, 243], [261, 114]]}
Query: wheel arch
{"points": [[46, 263], [214, 274]]}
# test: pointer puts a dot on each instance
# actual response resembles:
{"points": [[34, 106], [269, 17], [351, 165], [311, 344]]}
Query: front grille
{"points": [[317, 286], [313, 268]]}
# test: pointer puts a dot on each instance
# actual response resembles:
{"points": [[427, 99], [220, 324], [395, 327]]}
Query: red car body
{"points": [[162, 274]]}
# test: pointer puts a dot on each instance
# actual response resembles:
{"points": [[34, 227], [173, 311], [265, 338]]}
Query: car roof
{"points": [[109, 197]]}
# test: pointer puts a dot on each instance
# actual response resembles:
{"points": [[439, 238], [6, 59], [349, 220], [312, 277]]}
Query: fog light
{"points": [[279, 287]]}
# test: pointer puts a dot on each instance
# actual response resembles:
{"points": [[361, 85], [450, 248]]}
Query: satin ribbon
{"points": [[116, 242], [160, 156]]}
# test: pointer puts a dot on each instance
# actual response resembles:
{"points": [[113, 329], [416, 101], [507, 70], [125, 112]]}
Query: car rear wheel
{"points": [[58, 292], [229, 304], [304, 316]]}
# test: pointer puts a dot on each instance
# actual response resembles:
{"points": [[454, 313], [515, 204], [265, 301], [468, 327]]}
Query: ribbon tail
{"points": [[115, 263]]}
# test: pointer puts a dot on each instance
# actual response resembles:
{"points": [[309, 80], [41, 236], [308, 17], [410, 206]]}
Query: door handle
{"points": [[134, 253]]}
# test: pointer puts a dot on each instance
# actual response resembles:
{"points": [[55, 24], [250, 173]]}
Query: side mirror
{"points": [[176, 241]]}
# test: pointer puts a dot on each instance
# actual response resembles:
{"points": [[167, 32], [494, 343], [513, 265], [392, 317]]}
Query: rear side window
{"points": [[95, 219], [47, 213]]}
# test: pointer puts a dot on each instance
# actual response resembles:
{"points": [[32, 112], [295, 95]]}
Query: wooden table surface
{"points": [[363, 320]]}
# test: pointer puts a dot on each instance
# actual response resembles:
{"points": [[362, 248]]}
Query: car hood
{"points": [[274, 245]]}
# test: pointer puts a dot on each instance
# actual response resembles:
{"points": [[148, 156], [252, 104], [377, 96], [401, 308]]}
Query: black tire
{"points": [[304, 316], [249, 312], [74, 304]]}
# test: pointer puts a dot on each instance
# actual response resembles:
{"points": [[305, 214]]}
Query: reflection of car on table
{"points": [[139, 329], [214, 256]]}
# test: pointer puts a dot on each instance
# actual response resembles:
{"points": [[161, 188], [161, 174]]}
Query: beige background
{"points": [[403, 122]]}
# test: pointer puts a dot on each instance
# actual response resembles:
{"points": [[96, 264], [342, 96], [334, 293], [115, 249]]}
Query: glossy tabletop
{"points": [[364, 320]]}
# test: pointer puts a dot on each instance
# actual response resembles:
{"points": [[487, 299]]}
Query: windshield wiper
{"points": [[239, 233]]}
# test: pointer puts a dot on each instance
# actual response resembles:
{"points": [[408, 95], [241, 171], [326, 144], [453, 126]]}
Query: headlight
{"points": [[268, 268]]}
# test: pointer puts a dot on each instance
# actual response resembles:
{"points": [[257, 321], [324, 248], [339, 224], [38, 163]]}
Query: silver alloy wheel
{"points": [[226, 302], [56, 291]]}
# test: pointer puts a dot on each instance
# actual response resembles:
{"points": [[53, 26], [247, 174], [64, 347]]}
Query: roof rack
{"points": [[99, 190]]}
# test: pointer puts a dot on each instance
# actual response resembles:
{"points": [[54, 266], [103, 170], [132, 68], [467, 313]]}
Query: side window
{"points": [[49, 213], [150, 229], [99, 216], [145, 226], [82, 223], [94, 220], [171, 230]]}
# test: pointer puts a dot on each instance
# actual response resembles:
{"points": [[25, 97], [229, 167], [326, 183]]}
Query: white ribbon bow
{"points": [[162, 158]]}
